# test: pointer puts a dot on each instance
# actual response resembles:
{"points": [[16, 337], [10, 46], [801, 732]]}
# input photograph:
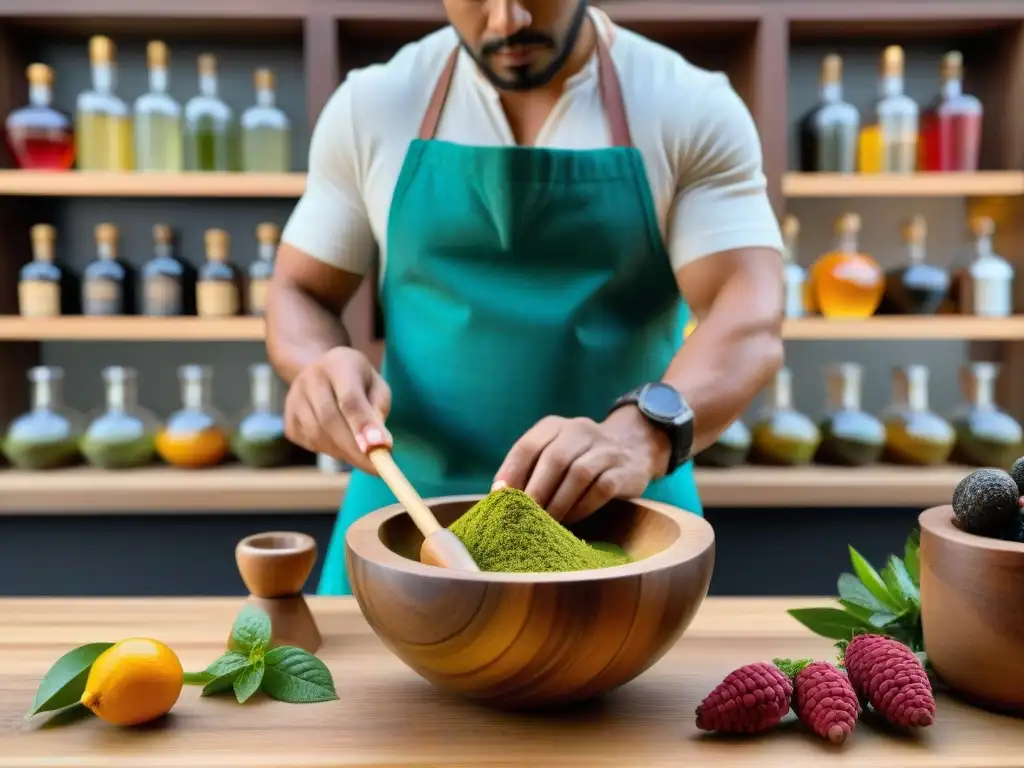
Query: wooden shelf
{"points": [[937, 327], [234, 490], [983, 184], [95, 184], [77, 328]]}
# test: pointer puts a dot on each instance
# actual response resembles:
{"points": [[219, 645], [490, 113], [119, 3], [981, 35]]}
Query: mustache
{"points": [[522, 37]]}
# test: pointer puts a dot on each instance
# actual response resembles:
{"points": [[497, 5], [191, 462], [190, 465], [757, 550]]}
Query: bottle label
{"points": [[39, 298], [216, 298], [162, 296], [992, 298], [102, 297], [258, 296]]}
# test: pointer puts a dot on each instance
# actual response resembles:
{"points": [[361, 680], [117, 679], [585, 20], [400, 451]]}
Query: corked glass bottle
{"points": [[262, 269], [851, 437], [217, 293], [196, 435], [985, 287], [123, 435], [40, 137], [259, 440], [914, 434], [985, 435], [47, 437], [730, 450], [782, 435], [108, 284], [45, 287], [828, 133], [794, 276], [168, 284], [847, 283], [918, 288]]}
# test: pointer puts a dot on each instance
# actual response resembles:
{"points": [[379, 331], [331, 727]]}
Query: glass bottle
{"points": [[168, 284], [45, 288], [266, 130], [986, 286], [103, 135], [888, 144], [794, 276], [851, 437], [259, 440], [217, 293], [913, 433], [918, 288], [262, 269], [951, 125], [782, 436], [47, 436], [847, 284], [196, 435], [157, 118], [209, 124], [985, 435], [828, 133], [730, 450], [108, 284], [39, 137], [123, 435]]}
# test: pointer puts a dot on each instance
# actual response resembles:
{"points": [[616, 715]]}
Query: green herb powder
{"points": [[508, 532]]}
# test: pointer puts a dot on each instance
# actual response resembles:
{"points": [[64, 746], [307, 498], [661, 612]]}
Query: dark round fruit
{"points": [[987, 503], [1017, 473]]}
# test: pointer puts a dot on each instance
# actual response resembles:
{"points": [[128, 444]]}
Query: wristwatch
{"points": [[666, 409]]}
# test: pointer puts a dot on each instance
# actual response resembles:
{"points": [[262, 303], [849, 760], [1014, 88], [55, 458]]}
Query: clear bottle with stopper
{"points": [[195, 436], [40, 137], [986, 436], [47, 437], [262, 269], [259, 440], [951, 125], [45, 288], [168, 285], [828, 133], [103, 122], [917, 288], [730, 449], [851, 437], [217, 293], [846, 283], [986, 286], [108, 284], [794, 276], [209, 124], [914, 434], [888, 144], [122, 435], [158, 118], [782, 436], [266, 130]]}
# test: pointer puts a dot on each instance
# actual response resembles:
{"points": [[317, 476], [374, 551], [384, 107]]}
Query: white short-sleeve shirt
{"points": [[701, 150]]}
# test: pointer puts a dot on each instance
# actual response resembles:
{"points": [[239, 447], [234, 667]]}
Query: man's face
{"points": [[517, 45]]}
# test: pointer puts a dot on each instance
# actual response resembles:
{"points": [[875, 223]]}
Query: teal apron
{"points": [[520, 283]]}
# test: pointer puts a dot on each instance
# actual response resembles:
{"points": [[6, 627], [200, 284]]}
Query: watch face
{"points": [[662, 402]]}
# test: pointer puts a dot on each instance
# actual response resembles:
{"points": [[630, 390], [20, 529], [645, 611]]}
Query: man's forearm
{"points": [[299, 329]]}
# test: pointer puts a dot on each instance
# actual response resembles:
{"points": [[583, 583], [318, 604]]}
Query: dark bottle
{"points": [[851, 437], [217, 293], [782, 435], [45, 287], [918, 288], [985, 435], [262, 269], [951, 124], [828, 133], [913, 433], [729, 450], [108, 284], [168, 284]]}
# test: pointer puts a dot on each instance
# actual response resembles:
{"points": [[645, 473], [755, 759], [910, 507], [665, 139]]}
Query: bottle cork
{"points": [[106, 234], [157, 55], [39, 74], [915, 230], [848, 224], [162, 234], [207, 64], [953, 66], [831, 69], [790, 228], [43, 237], [892, 61], [982, 226], [267, 233], [217, 241], [101, 50], [264, 79]]}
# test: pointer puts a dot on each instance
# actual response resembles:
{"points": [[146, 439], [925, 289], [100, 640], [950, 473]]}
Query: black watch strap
{"points": [[667, 410]]}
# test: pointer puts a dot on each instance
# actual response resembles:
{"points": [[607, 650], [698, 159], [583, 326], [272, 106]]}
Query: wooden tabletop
{"points": [[387, 716]]}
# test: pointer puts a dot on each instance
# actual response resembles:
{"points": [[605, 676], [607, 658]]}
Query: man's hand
{"points": [[573, 467], [337, 405]]}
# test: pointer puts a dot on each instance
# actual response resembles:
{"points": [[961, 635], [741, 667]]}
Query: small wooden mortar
{"points": [[274, 567]]}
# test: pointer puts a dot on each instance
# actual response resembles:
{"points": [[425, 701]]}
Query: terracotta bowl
{"points": [[533, 640], [972, 612]]}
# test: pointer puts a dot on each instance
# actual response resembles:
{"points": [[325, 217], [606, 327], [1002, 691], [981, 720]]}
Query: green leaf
{"points": [[229, 662], [912, 556], [297, 677], [830, 622], [250, 630], [198, 678], [852, 590], [883, 619], [64, 683], [899, 582], [248, 682], [869, 578], [223, 683], [864, 614]]}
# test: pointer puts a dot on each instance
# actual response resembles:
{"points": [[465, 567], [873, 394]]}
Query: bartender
{"points": [[547, 198]]}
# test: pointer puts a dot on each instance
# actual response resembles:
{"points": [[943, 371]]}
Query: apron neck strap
{"points": [[608, 83]]}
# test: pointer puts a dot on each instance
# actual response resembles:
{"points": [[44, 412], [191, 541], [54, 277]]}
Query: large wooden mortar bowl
{"points": [[526, 641], [972, 612]]}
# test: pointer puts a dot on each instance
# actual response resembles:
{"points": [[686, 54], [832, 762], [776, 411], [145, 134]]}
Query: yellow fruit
{"points": [[134, 681]]}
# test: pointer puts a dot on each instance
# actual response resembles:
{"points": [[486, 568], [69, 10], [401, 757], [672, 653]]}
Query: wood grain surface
{"points": [[388, 716]]}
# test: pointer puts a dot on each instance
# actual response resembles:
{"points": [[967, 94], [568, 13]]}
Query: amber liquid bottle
{"points": [[846, 283], [217, 292], [828, 133], [985, 287], [851, 437], [782, 435], [951, 125], [985, 435], [913, 433], [888, 143], [45, 287], [108, 284], [918, 288]]}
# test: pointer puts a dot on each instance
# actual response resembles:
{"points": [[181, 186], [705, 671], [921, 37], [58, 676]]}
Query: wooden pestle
{"points": [[440, 546]]}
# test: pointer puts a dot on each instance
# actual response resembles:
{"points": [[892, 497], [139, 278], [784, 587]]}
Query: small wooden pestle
{"points": [[440, 546]]}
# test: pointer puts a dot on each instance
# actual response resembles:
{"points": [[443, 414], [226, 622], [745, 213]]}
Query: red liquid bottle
{"points": [[951, 126], [40, 137]]}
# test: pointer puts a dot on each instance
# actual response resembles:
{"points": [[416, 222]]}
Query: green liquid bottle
{"points": [[782, 436], [209, 124], [266, 131], [851, 437], [985, 435], [157, 119]]}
